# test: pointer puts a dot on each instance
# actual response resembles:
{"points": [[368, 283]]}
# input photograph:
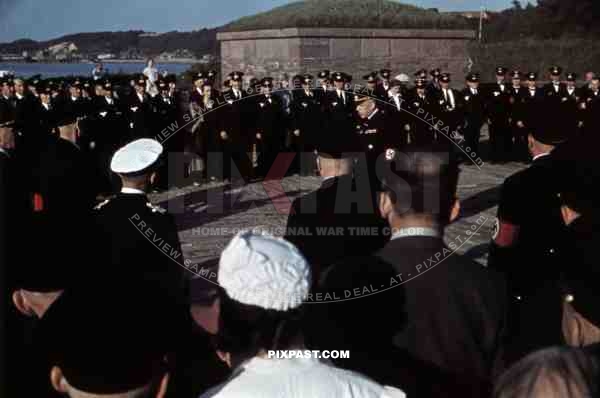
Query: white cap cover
{"points": [[264, 271], [136, 156], [403, 77]]}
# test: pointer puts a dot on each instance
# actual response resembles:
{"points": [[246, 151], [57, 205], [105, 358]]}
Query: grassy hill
{"points": [[199, 42], [348, 14]]}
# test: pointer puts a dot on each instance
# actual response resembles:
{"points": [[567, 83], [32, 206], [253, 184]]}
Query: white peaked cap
{"points": [[264, 271], [136, 156], [403, 77]]}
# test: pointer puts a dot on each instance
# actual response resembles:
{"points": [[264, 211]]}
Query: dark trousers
{"points": [[520, 148], [500, 140], [472, 133], [305, 161]]}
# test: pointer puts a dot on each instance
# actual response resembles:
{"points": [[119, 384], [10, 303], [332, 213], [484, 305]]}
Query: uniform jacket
{"points": [[473, 105], [307, 115], [320, 223], [373, 133], [529, 202], [270, 118], [340, 115], [497, 101], [140, 244], [397, 120], [455, 308]]}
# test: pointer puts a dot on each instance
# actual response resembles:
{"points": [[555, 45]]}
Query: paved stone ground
{"points": [[205, 228]]}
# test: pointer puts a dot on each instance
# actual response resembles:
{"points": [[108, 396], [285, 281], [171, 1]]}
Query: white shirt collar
{"points": [[415, 231], [19, 96], [4, 151], [540, 156], [141, 97], [135, 191], [373, 114], [328, 178]]}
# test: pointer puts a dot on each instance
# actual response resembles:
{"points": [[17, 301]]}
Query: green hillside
{"points": [[348, 14]]}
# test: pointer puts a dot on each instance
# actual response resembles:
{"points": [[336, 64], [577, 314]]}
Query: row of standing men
{"points": [[252, 124]]}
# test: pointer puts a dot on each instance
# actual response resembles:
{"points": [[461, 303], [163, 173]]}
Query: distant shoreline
{"points": [[190, 61]]}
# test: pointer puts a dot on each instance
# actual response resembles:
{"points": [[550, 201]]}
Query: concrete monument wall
{"points": [[356, 51]]}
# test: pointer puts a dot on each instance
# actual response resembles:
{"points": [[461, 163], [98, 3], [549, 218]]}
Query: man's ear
{"points": [[455, 211], [225, 357], [164, 384], [20, 302], [568, 215], [385, 205], [153, 177], [58, 381], [530, 141]]}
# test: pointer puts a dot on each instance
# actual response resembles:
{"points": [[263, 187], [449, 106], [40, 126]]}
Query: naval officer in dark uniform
{"points": [[235, 122], [421, 105], [139, 239], [372, 126], [139, 110], [474, 113], [570, 103], [529, 230], [306, 124], [554, 90], [332, 224], [398, 116], [497, 110], [270, 127], [383, 86], [590, 109], [372, 87], [339, 107]]}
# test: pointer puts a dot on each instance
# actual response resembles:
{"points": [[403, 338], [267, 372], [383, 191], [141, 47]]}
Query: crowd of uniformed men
{"points": [[265, 117], [99, 268]]}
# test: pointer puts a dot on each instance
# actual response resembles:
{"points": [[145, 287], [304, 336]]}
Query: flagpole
{"points": [[481, 23]]}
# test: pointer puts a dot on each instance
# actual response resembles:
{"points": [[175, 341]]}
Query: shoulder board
{"points": [[156, 209], [104, 203]]}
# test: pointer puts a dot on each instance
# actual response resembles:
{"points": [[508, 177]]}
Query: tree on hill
{"points": [[573, 15]]}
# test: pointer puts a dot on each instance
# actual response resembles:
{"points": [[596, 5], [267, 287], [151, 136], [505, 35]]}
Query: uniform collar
{"points": [[541, 155], [132, 191], [373, 114], [416, 231]]}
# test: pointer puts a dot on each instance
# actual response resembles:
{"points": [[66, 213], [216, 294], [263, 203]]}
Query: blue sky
{"points": [[41, 20]]}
